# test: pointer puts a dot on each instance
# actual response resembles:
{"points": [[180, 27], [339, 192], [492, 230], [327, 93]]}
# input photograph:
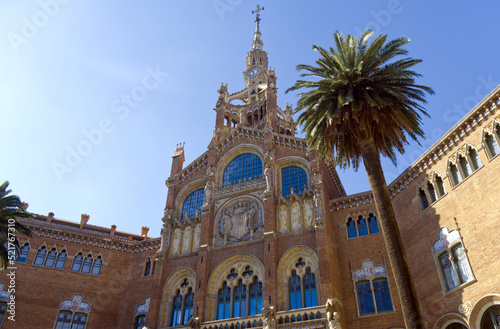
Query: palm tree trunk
{"points": [[387, 219]]}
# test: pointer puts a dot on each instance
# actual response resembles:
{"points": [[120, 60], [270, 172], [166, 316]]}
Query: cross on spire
{"points": [[257, 12], [257, 42]]}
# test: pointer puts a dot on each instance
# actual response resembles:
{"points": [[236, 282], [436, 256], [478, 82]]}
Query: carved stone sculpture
{"points": [[269, 321], [196, 242], [186, 241], [268, 173], [282, 219], [318, 202], [295, 217], [238, 221], [308, 213], [209, 188], [165, 237], [176, 241]]}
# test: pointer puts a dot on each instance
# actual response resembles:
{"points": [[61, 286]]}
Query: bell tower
{"points": [[257, 61]]}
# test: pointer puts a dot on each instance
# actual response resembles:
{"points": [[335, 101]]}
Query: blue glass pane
{"points": [[188, 306], [351, 229], [373, 224], [365, 298], [193, 202], [96, 269], [363, 230], [310, 289], [23, 254], [61, 260], [77, 263], [51, 258], [176, 310], [464, 271], [382, 295], [87, 264], [295, 292], [79, 320], [242, 167], [294, 177], [40, 256]]}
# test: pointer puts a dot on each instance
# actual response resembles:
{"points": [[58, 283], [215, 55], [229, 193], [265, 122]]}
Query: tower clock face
{"points": [[253, 72]]}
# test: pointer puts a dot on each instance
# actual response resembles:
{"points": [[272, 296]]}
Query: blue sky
{"points": [[95, 96]]}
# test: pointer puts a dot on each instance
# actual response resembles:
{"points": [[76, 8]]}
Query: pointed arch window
{"points": [[293, 177], [97, 266], [147, 267], [455, 174], [240, 300], [432, 192], [61, 260], [491, 141], [77, 263], [87, 264], [351, 229], [188, 305], [224, 302], [193, 203], [51, 258], [294, 288], [362, 228], [23, 255], [372, 222], [40, 256], [243, 167], [440, 186], [423, 198], [311, 297], [255, 297], [473, 157], [177, 309]]}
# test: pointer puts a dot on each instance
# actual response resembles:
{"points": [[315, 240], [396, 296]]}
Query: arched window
{"points": [[473, 157], [365, 298], [372, 289], [294, 286], [491, 318], [382, 295], [293, 177], [240, 300], [40, 256], [51, 258], [193, 203], [311, 297], [23, 255], [140, 321], [464, 166], [65, 319], [423, 198], [491, 142], [244, 166], [440, 186], [255, 297], [432, 192], [351, 229], [224, 302], [362, 228], [188, 305], [177, 309], [455, 174], [61, 260], [96, 268], [87, 264], [77, 263], [452, 260], [147, 267], [372, 222]]}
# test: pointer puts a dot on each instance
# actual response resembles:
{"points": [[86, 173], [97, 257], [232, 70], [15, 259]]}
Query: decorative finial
{"points": [[257, 42]]}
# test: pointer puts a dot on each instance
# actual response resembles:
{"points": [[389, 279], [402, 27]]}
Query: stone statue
{"points": [[208, 193], [282, 219], [227, 224], [186, 241], [308, 213], [269, 321], [167, 214], [295, 217], [318, 202], [176, 241], [269, 156], [268, 173], [165, 237], [316, 179], [194, 322], [209, 172], [333, 319]]}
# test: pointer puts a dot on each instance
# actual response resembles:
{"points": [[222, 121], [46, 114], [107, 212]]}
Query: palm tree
{"points": [[363, 103], [11, 209]]}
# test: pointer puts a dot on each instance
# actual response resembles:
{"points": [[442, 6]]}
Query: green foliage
{"points": [[11, 209], [360, 92]]}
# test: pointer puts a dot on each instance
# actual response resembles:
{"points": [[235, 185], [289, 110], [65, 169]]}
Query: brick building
{"points": [[259, 233]]}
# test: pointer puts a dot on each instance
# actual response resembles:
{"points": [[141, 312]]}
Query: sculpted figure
{"points": [[197, 231], [208, 192], [308, 213], [333, 319], [209, 172], [295, 218], [165, 237], [186, 241], [318, 202], [269, 321], [282, 219], [268, 172], [176, 241], [227, 224]]}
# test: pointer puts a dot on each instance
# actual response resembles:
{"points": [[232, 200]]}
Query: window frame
{"points": [[289, 179], [366, 216]]}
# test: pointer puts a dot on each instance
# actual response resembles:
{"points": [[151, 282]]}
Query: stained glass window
{"points": [[79, 321], [294, 288], [462, 265], [382, 295], [64, 320], [244, 166], [40, 256], [365, 298], [310, 294], [295, 177], [450, 277], [61, 260], [255, 297], [193, 202], [23, 255]]}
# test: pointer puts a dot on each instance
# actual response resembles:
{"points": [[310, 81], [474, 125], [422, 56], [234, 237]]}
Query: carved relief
{"points": [[186, 241], [283, 214], [240, 220], [176, 241], [296, 218], [308, 213]]}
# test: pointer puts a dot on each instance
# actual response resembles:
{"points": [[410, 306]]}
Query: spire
{"points": [[257, 42]]}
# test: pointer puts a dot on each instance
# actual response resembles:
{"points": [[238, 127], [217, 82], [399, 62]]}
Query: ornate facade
{"points": [[257, 232]]}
